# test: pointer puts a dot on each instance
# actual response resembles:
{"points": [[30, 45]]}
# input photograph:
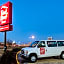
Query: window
{"points": [[41, 44], [60, 43], [52, 43], [33, 44]]}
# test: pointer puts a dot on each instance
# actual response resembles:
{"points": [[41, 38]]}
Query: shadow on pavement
{"points": [[8, 58]]}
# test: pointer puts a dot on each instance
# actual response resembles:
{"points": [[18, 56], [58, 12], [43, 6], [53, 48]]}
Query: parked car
{"points": [[43, 48]]}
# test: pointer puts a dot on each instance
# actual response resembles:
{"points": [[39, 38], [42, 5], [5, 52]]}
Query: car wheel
{"points": [[62, 56], [33, 58]]}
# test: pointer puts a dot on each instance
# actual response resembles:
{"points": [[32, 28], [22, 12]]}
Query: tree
{"points": [[9, 42]]}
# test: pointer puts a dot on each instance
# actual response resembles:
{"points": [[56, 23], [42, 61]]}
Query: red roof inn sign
{"points": [[6, 17]]}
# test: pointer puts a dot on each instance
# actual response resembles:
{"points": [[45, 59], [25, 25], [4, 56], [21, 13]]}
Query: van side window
{"points": [[52, 43], [41, 44], [60, 43]]}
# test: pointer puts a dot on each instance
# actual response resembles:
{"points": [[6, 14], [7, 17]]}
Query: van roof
{"points": [[51, 40]]}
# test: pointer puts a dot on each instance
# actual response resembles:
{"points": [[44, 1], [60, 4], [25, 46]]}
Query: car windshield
{"points": [[33, 44]]}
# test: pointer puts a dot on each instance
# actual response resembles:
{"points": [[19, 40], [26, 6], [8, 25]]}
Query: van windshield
{"points": [[33, 44]]}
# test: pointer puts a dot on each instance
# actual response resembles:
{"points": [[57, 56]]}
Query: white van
{"points": [[43, 48]]}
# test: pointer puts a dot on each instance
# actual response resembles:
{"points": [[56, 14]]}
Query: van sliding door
{"points": [[52, 48]]}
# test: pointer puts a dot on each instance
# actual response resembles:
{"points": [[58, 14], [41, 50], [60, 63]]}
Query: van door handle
{"points": [[46, 50]]}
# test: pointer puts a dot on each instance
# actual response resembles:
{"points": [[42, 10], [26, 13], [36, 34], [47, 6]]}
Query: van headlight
{"points": [[26, 52]]}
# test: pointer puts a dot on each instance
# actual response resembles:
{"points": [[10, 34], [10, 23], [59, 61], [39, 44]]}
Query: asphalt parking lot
{"points": [[50, 60]]}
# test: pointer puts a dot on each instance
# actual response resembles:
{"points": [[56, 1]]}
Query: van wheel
{"points": [[62, 56], [33, 58]]}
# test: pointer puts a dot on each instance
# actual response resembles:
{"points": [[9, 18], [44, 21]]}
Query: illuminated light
{"points": [[6, 28], [4, 13], [33, 37], [0, 18], [1, 28], [4, 7], [3, 22]]}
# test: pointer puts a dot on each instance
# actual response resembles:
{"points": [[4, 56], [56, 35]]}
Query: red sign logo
{"points": [[6, 13], [42, 50]]}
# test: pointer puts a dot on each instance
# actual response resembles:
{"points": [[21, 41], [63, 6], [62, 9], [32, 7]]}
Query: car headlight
{"points": [[26, 52]]}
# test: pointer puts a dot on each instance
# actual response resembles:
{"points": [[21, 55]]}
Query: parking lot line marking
{"points": [[17, 56]]}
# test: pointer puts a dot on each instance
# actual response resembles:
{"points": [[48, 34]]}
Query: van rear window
{"points": [[52, 43], [60, 43]]}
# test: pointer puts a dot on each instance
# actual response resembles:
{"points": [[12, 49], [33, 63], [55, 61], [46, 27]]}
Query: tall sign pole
{"points": [[5, 47], [6, 20]]}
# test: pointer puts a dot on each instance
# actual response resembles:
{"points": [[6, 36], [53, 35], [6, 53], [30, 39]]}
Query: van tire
{"points": [[33, 58], [62, 55]]}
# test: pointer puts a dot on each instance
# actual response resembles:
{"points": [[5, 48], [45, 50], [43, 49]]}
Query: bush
{"points": [[16, 50], [8, 58]]}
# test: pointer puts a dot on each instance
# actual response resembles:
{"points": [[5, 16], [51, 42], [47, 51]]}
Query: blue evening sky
{"points": [[41, 18]]}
